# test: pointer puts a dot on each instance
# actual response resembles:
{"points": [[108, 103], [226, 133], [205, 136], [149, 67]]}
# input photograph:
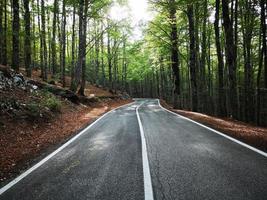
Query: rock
{"points": [[34, 87], [18, 80]]}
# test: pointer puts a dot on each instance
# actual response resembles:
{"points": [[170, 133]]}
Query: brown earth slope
{"points": [[26, 137]]}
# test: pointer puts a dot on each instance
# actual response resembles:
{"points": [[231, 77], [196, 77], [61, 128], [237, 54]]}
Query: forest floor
{"points": [[247, 133], [33, 124]]}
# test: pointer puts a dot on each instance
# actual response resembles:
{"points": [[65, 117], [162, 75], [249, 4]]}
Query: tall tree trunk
{"points": [[63, 43], [221, 92], [263, 6], [83, 52], [4, 58], [1, 31], [78, 68], [202, 67], [259, 80], [103, 77], [53, 43], [41, 39], [192, 63], [73, 43], [110, 63], [174, 54], [248, 26], [230, 58], [15, 36], [27, 39], [44, 67], [97, 53]]}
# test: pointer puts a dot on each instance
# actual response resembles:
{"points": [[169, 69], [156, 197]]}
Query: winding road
{"points": [[143, 151]]}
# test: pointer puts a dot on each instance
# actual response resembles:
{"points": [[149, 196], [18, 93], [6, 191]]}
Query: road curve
{"points": [[185, 161]]}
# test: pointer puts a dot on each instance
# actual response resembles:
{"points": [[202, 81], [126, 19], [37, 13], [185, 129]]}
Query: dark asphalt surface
{"points": [[186, 162], [190, 162]]}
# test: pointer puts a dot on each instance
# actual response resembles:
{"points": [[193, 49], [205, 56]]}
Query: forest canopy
{"points": [[207, 56]]}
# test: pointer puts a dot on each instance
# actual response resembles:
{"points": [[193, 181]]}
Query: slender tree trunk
{"points": [[53, 43], [230, 58], [102, 58], [73, 43], [202, 70], [4, 58], [259, 80], [174, 54], [192, 63], [33, 39], [221, 92], [97, 54], [63, 43], [1, 31], [78, 68], [15, 36], [44, 68], [110, 63], [83, 52], [27, 41], [247, 34], [264, 35]]}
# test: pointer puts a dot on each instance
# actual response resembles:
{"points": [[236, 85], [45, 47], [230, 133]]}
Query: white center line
{"points": [[148, 190]]}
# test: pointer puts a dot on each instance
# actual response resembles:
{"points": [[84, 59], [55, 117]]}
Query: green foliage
{"points": [[51, 102]]}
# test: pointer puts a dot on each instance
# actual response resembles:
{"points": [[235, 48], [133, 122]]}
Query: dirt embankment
{"points": [[34, 121], [249, 134]]}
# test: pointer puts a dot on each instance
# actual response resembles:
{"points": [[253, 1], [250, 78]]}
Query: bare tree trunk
{"points": [[73, 44], [83, 52], [221, 92], [40, 37], [15, 38], [53, 44], [44, 67], [110, 63], [78, 67], [27, 41], [230, 58], [192, 63], [63, 44], [4, 58], [175, 54], [264, 35], [102, 59], [1, 31]]}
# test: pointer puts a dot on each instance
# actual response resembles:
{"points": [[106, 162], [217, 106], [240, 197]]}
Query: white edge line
{"points": [[27, 172], [148, 190], [218, 132]]}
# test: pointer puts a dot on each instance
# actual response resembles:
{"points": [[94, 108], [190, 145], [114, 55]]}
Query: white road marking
{"points": [[148, 190], [218, 132], [23, 175]]}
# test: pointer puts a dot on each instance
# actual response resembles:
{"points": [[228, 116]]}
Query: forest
{"points": [[207, 56]]}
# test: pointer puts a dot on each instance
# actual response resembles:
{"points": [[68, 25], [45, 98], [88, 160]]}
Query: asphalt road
{"points": [[107, 161]]}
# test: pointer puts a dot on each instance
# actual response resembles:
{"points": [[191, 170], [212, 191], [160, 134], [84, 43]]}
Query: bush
{"points": [[51, 102], [34, 110]]}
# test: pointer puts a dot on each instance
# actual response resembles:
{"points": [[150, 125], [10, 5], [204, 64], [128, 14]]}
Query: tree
{"points": [[53, 42], [63, 43], [15, 34], [174, 52], [27, 39], [230, 58], [192, 60], [221, 92]]}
